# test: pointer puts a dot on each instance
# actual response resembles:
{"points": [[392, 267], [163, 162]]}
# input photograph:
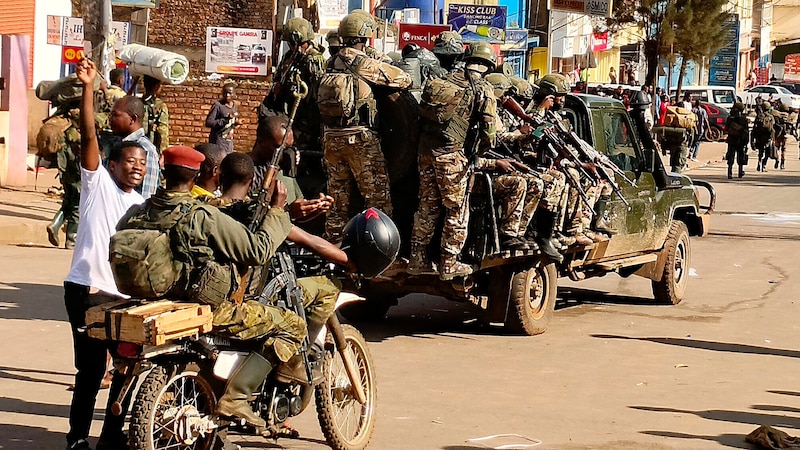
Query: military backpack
{"points": [[448, 102], [345, 98], [680, 118]]}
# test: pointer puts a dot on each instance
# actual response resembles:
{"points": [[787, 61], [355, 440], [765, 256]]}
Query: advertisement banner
{"points": [[71, 55], [516, 40], [331, 13], [237, 50], [422, 34], [723, 65], [791, 68], [478, 23], [72, 35], [54, 29], [601, 8], [601, 42]]}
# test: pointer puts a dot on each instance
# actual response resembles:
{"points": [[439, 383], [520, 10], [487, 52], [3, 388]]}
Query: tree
{"points": [[702, 25]]}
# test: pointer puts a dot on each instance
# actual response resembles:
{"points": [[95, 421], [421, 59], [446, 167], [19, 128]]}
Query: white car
{"points": [[778, 93]]}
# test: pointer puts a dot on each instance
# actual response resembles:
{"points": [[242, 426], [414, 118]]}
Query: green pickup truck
{"points": [[518, 289]]}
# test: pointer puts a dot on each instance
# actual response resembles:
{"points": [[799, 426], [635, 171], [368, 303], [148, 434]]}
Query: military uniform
{"points": [[58, 141], [352, 153], [156, 126], [737, 139]]}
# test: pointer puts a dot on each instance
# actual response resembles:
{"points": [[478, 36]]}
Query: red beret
{"points": [[180, 155]]}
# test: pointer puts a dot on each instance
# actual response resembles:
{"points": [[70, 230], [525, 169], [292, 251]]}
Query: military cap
{"points": [[182, 156]]}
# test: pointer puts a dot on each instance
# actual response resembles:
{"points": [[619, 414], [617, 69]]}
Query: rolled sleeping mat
{"points": [[166, 66]]}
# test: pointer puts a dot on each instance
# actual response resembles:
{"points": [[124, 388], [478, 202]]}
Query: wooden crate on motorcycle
{"points": [[153, 323]]}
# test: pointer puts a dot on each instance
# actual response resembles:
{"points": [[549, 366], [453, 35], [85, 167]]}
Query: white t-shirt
{"points": [[102, 204]]}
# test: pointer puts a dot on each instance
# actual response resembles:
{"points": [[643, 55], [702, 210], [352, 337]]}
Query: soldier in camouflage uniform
{"points": [[449, 134], [215, 243], [303, 62], [156, 127], [449, 48], [351, 144]]}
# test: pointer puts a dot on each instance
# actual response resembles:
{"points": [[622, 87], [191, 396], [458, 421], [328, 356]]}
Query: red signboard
{"points": [[71, 55], [791, 68], [600, 42], [421, 34]]}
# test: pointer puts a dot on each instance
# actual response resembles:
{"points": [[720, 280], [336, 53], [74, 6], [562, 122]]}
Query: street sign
{"points": [[516, 40], [422, 34], [72, 33], [601, 8], [478, 23], [723, 65], [71, 55]]}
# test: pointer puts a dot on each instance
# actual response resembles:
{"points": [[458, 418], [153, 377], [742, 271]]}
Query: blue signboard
{"points": [[723, 65], [478, 23]]}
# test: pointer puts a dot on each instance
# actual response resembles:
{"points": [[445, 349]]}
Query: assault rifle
{"points": [[268, 186]]}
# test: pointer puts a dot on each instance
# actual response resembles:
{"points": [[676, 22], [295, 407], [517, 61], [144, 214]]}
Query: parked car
{"points": [[717, 116], [778, 93], [721, 95]]}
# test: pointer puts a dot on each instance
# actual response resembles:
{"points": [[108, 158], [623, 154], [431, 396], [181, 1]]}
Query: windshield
{"points": [[783, 90], [722, 96]]}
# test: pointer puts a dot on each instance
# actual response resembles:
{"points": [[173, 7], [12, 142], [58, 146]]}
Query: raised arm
{"points": [[90, 150]]}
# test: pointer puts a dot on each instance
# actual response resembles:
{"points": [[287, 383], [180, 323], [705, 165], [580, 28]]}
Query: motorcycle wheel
{"points": [[346, 423], [164, 389]]}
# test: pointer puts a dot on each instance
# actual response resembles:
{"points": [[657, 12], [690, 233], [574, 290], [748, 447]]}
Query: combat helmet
{"points": [[481, 53], [357, 24], [783, 107], [738, 106], [371, 241], [521, 88], [332, 38], [552, 84], [766, 106], [298, 31], [448, 43], [500, 82]]}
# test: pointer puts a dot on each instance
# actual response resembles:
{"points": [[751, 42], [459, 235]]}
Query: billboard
{"points": [[422, 34], [72, 31], [238, 51], [791, 68], [601, 8], [516, 40], [478, 23], [723, 65]]}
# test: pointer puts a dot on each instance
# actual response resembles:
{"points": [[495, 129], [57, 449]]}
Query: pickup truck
{"points": [[519, 288]]}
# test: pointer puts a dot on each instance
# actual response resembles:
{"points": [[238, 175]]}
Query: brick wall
{"points": [[184, 22], [190, 102]]}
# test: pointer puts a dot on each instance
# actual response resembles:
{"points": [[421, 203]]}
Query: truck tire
{"points": [[672, 286], [532, 299]]}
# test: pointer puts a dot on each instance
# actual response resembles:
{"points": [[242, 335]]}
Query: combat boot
{"points": [[513, 243], [54, 227], [601, 224], [782, 162], [544, 234], [451, 268], [419, 263], [730, 172], [776, 163], [741, 171], [244, 381], [72, 233]]}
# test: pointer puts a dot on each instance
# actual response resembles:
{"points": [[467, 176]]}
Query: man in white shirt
{"points": [[125, 121], [106, 194]]}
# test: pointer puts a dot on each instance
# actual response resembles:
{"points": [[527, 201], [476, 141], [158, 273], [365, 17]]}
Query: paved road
{"points": [[613, 371]]}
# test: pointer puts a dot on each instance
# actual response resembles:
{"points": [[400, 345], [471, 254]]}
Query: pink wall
{"points": [[14, 109]]}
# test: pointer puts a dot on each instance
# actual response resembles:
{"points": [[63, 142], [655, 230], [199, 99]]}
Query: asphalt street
{"points": [[613, 371]]}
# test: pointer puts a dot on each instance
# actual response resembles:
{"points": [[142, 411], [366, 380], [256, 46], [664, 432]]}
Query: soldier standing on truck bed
{"points": [[457, 114], [351, 144]]}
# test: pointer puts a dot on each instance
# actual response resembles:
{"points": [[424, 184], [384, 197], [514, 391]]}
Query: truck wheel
{"points": [[678, 250], [533, 299]]}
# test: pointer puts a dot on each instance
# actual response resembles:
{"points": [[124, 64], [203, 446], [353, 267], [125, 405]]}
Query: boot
{"points": [[782, 161], [776, 163], [294, 370], [419, 263], [72, 233], [452, 268], [544, 232], [54, 227], [730, 172], [513, 243], [741, 171], [246, 379], [601, 224]]}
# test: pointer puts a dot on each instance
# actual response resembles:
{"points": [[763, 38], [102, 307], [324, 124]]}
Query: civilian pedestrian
{"points": [[222, 118]]}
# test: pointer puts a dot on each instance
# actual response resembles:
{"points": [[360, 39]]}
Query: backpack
{"points": [[737, 132], [680, 117], [141, 256], [345, 98], [448, 102], [50, 138]]}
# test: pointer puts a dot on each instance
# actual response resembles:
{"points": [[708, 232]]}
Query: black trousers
{"points": [[90, 363]]}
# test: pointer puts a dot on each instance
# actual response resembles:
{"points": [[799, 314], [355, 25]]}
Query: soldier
{"points": [[207, 244], [303, 62], [222, 118], [781, 117], [457, 114], [351, 145], [372, 52], [449, 48], [763, 135], [157, 124], [334, 44], [114, 91], [738, 137]]}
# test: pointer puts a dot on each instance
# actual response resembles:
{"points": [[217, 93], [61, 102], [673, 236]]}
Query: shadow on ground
{"points": [[32, 301], [708, 345], [19, 437]]}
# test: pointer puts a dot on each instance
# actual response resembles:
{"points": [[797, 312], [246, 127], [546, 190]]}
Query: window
{"points": [[618, 135], [757, 90], [722, 96], [783, 90]]}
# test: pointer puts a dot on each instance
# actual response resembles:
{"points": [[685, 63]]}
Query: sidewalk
{"points": [[25, 212]]}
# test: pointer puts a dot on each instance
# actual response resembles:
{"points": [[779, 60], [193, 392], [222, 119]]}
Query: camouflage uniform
{"points": [[212, 236], [60, 146], [444, 171], [353, 153], [156, 126]]}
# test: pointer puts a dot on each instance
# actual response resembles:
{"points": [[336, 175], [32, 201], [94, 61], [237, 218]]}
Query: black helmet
{"points": [[371, 241], [639, 102]]}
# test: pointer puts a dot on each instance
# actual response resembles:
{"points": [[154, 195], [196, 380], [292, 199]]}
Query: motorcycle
{"points": [[174, 406]]}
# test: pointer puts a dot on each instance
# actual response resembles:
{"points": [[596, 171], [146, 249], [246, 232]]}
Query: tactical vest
{"points": [[763, 125], [448, 103], [345, 98], [737, 130]]}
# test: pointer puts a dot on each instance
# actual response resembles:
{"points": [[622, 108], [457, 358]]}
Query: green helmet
{"points": [[500, 82], [766, 106], [738, 106], [521, 88], [783, 107], [448, 43], [481, 53], [552, 84], [357, 24], [332, 38], [298, 31]]}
